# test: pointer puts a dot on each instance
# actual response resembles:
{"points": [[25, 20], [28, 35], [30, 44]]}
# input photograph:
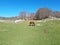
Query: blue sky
{"points": [[9, 8]]}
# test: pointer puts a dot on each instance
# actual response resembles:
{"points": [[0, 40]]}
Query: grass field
{"points": [[47, 33]]}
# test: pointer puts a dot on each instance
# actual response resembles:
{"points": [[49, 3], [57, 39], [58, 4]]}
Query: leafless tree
{"points": [[42, 13]]}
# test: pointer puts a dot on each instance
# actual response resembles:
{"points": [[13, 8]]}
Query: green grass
{"points": [[22, 34]]}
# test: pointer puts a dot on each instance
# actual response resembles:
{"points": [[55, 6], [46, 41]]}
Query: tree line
{"points": [[41, 13]]}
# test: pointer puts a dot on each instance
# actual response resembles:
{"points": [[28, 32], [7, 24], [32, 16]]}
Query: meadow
{"points": [[47, 33]]}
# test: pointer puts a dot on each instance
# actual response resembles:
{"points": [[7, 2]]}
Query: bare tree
{"points": [[56, 14], [32, 16], [23, 15], [42, 13]]}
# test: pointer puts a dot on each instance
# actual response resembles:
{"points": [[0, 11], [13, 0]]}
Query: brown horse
{"points": [[31, 23]]}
